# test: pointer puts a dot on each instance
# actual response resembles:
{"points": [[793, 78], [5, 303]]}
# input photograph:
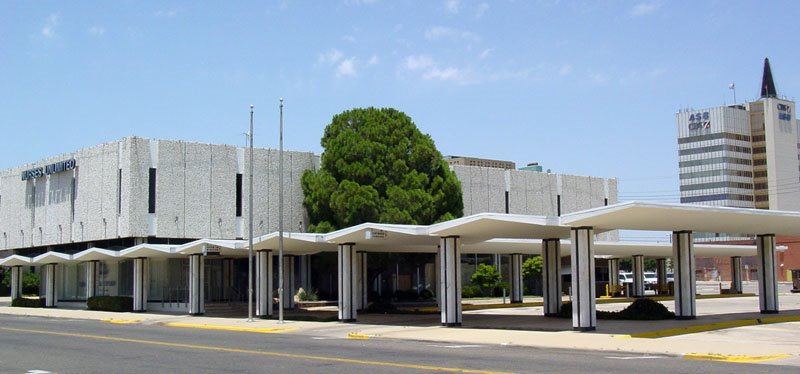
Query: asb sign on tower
{"points": [[699, 121]]}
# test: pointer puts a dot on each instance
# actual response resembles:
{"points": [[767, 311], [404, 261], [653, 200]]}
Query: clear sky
{"points": [[585, 88]]}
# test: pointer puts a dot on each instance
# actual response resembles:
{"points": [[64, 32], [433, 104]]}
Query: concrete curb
{"points": [[711, 327], [734, 359]]}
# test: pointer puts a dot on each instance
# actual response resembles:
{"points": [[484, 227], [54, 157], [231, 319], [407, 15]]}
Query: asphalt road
{"points": [[40, 345]]}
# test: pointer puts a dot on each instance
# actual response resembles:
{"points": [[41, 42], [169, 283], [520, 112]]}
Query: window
{"points": [[715, 136], [151, 200], [119, 192], [238, 195], [715, 160], [714, 148]]}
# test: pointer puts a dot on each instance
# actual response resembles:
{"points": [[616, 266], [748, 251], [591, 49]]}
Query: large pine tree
{"points": [[378, 167]]}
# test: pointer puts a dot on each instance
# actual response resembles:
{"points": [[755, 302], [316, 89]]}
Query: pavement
{"points": [[726, 329]]}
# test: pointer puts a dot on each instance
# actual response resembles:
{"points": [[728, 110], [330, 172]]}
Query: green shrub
{"points": [[110, 303], [30, 283], [381, 306], [28, 303], [641, 310], [426, 295], [310, 295], [471, 291]]}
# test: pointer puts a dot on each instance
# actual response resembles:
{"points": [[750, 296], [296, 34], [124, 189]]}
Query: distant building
{"points": [[482, 162], [742, 155]]}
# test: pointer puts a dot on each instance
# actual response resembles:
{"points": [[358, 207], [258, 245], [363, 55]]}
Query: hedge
{"points": [[111, 303], [28, 303]]}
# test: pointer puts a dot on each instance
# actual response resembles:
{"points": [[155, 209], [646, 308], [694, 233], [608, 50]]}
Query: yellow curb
{"points": [[358, 336], [121, 321], [729, 358], [711, 327], [262, 330]]}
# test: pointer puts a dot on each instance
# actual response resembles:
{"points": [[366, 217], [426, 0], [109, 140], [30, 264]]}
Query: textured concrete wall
{"points": [[532, 192], [195, 194]]}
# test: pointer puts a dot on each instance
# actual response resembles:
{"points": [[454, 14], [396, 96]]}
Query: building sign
{"points": [[699, 121], [48, 169], [784, 112]]}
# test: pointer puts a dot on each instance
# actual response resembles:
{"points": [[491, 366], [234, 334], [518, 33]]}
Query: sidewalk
{"points": [[747, 344]]}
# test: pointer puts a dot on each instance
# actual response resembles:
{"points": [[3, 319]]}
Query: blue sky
{"points": [[586, 88]]}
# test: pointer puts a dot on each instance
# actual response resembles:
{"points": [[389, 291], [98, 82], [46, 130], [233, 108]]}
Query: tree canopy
{"points": [[378, 167]]}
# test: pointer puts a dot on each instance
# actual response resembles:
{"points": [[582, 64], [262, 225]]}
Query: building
{"points": [[483, 162], [133, 197], [741, 155]]}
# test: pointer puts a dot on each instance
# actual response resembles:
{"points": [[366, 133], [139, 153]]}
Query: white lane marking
{"points": [[633, 357], [455, 346], [36, 371], [322, 338]]}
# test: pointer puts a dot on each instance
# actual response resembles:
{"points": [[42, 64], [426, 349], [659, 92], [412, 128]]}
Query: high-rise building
{"points": [[742, 155]]}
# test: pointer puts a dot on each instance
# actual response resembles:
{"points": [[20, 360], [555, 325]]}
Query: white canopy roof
{"points": [[484, 226], [15, 260], [52, 258], [95, 254], [681, 217], [148, 250]]}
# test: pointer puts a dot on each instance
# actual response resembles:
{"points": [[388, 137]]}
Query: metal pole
{"points": [[250, 236], [280, 217]]}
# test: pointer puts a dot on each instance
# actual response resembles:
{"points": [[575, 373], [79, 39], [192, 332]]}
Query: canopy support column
{"points": [[91, 279], [516, 278], [264, 284], [288, 282], [661, 274], [347, 283], [685, 283], [140, 285], [196, 291], [450, 280], [362, 280], [16, 282], [613, 272], [50, 286], [767, 277], [638, 276], [736, 274], [583, 288], [551, 276]]}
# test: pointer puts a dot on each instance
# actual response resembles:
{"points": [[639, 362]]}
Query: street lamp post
{"points": [[250, 236], [280, 217]]}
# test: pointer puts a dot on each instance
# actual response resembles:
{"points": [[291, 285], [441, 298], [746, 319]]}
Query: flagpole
{"points": [[280, 218], [250, 236]]}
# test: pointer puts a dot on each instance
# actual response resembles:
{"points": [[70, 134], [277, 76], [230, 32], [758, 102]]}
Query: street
{"points": [[41, 345]]}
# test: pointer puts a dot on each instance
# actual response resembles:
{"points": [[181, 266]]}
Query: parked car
{"points": [[650, 280], [625, 278]]}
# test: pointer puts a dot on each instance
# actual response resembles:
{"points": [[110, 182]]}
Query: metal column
{"points": [[288, 282], [613, 272], [264, 284], [16, 282], [583, 288], [91, 279], [140, 284], [736, 274], [450, 280], [196, 291], [638, 276], [516, 278], [661, 275], [685, 283], [50, 286], [551, 276], [347, 283], [767, 277], [362, 280]]}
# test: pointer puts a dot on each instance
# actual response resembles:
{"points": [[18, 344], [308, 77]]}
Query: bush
{"points": [[640, 309], [381, 306], [426, 294], [471, 291], [28, 303], [310, 295], [110, 303]]}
